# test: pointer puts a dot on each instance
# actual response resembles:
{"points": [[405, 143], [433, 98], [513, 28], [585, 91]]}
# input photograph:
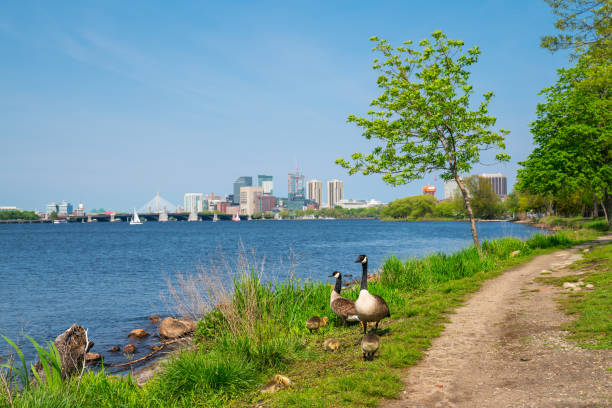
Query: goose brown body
{"points": [[342, 307]]}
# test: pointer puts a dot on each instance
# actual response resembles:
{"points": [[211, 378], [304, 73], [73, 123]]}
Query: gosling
{"points": [[369, 345], [331, 344], [279, 382], [316, 322]]}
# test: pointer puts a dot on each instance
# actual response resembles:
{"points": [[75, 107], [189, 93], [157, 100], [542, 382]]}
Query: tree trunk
{"points": [[468, 207], [595, 212], [605, 210]]}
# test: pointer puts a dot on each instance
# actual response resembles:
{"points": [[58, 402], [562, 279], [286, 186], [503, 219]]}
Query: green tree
{"points": [[573, 139], [584, 26], [485, 202], [423, 121], [53, 215]]}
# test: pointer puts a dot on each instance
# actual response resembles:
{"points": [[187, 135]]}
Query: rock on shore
{"points": [[172, 328]]}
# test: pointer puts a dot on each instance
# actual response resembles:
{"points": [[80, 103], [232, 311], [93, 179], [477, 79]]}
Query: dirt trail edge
{"points": [[505, 348]]}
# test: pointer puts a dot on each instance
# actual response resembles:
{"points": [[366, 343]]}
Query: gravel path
{"points": [[505, 348]]}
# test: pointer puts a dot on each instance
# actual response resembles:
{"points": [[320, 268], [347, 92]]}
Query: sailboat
{"points": [[135, 220], [236, 217], [215, 218]]}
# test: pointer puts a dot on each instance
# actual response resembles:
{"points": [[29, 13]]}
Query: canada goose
{"points": [[343, 307], [369, 307], [369, 345], [316, 322], [331, 344], [277, 383]]}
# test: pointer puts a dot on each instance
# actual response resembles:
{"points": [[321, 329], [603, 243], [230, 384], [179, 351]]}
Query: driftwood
{"points": [[151, 354], [73, 345]]}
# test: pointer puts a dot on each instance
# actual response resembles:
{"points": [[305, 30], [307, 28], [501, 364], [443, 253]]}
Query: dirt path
{"points": [[505, 348]]}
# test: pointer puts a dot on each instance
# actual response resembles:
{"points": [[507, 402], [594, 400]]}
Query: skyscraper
{"points": [[193, 202], [244, 181], [267, 183], [249, 199], [451, 190], [499, 183], [295, 186], [335, 192], [314, 191]]}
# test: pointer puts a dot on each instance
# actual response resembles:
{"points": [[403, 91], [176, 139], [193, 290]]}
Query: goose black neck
{"points": [[364, 276], [338, 286]]}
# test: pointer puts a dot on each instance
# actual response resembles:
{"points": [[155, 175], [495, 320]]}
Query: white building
{"points": [[249, 199], [335, 192], [194, 202], [451, 190], [353, 203], [314, 191]]}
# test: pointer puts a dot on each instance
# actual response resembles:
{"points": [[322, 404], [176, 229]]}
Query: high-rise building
{"points": [[51, 207], [314, 191], [431, 190], [64, 208], [267, 182], [80, 210], [266, 203], [451, 190], [244, 181], [249, 199], [194, 202], [335, 192], [295, 187], [499, 183]]}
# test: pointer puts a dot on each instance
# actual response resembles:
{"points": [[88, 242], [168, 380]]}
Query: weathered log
{"points": [[73, 345]]}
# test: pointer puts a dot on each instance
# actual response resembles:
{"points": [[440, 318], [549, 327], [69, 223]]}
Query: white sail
{"points": [[135, 219]]}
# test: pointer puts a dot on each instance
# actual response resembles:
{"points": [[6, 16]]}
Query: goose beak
{"points": [[357, 260], [330, 276]]}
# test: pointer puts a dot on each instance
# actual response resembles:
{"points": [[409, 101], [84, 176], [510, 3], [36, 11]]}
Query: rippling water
{"points": [[110, 277]]}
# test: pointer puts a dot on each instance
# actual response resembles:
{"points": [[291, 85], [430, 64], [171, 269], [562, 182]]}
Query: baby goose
{"points": [[369, 307], [277, 383], [369, 345], [342, 307], [316, 322], [331, 344]]}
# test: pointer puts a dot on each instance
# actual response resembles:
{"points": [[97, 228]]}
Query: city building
{"points": [[194, 202], [212, 197], [51, 208], [314, 192], [249, 199], [267, 182], [431, 190], [244, 181], [80, 211], [266, 202], [64, 208], [223, 205], [295, 186], [451, 190], [499, 183], [335, 192], [9, 208], [212, 200], [352, 203]]}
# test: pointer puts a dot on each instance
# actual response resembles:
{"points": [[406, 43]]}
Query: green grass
{"points": [[576, 223], [260, 332], [592, 327]]}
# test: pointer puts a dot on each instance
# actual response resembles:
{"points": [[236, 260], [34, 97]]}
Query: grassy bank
{"points": [[575, 223], [592, 327], [257, 330]]}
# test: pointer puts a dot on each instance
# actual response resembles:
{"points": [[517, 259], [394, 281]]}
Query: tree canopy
{"points": [[573, 138], [423, 120]]}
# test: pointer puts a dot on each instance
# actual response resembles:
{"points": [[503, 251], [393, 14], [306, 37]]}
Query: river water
{"points": [[109, 277]]}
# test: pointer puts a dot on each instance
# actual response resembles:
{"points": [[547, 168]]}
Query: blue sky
{"points": [[106, 103]]}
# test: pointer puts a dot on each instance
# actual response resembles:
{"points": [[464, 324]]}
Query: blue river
{"points": [[109, 277]]}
